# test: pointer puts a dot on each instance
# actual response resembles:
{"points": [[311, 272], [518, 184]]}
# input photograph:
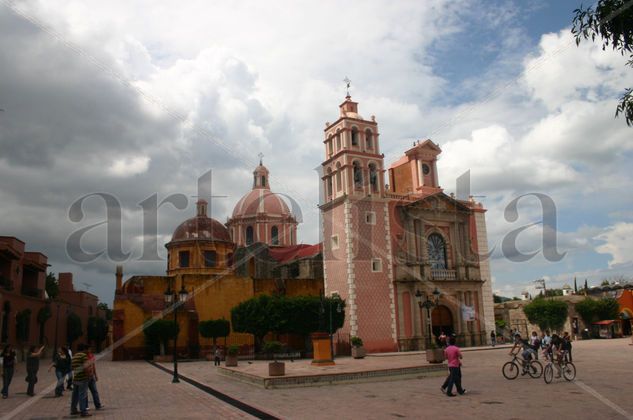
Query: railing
{"points": [[441, 274]]}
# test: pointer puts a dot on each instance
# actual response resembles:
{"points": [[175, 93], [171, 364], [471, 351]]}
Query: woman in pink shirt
{"points": [[453, 356]]}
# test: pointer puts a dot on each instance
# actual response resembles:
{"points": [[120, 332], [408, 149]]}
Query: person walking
{"points": [[217, 356], [92, 381], [81, 372], [32, 366], [61, 363], [493, 338], [567, 346], [453, 356], [8, 368]]}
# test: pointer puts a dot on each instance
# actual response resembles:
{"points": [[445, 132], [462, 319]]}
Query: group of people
{"points": [[78, 371], [554, 347]]}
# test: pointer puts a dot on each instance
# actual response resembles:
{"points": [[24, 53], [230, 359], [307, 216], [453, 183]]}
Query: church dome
{"points": [[201, 227], [260, 201]]}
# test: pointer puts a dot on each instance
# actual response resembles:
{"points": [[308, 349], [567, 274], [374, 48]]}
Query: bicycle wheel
{"points": [[535, 369], [510, 370], [548, 373], [569, 371]]}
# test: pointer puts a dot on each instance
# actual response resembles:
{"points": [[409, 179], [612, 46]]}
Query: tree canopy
{"points": [[546, 313], [73, 328], [214, 328], [159, 332], [611, 21], [52, 286], [97, 331], [592, 310]]}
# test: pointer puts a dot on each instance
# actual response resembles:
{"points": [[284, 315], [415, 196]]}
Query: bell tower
{"points": [[355, 225]]}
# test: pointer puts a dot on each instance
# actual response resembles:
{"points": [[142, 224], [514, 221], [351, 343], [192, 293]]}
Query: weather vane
{"points": [[348, 83], [261, 155]]}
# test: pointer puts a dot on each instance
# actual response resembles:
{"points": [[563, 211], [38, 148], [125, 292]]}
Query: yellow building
{"points": [[203, 258]]}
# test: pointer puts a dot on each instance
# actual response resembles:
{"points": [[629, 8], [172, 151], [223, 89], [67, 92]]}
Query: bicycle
{"points": [[568, 369], [511, 369]]}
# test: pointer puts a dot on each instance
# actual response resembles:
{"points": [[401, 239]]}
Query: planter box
{"points": [[276, 369], [231, 361], [358, 352], [435, 355]]}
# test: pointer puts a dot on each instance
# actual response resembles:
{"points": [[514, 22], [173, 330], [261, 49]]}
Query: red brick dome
{"points": [[201, 227]]}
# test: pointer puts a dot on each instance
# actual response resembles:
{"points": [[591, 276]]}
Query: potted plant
{"points": [[275, 368], [434, 354], [231, 355], [358, 351]]}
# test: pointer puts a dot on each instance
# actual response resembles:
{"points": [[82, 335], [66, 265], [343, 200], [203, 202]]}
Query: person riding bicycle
{"points": [[527, 351], [556, 353]]}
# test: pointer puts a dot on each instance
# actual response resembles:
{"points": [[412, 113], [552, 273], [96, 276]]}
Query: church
{"points": [[408, 259]]}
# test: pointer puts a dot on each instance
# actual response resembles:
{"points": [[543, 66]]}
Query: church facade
{"points": [[392, 237]]}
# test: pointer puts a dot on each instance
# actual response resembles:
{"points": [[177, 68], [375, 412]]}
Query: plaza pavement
{"points": [[137, 389]]}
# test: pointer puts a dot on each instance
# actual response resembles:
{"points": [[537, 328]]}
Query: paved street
{"points": [[135, 389]]}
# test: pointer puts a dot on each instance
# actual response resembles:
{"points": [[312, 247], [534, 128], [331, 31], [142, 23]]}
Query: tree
{"points": [[611, 20], [586, 288], [547, 314], [52, 286], [575, 287], [214, 328], [604, 282], [159, 332], [73, 328], [108, 312], [554, 292], [586, 308], [97, 331], [43, 315], [607, 308]]}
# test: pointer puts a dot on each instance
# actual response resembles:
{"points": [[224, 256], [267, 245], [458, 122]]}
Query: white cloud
{"points": [[128, 166], [618, 243]]}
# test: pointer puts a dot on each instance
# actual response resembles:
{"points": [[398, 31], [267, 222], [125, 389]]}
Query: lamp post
{"points": [[178, 300], [428, 303]]}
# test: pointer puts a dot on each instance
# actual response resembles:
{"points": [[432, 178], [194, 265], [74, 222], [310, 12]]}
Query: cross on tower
{"points": [[348, 82], [261, 155]]}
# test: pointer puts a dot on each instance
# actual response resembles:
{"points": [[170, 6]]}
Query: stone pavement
{"points": [[128, 390], [135, 389]]}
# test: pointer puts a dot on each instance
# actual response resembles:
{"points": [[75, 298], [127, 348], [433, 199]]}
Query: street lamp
{"points": [[428, 303], [178, 300]]}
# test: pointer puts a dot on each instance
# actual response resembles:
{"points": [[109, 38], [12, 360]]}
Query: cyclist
{"points": [[556, 353], [527, 352]]}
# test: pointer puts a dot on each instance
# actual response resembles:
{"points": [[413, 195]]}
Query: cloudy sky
{"points": [[137, 99]]}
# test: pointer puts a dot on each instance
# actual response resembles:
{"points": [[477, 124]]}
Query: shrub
{"points": [[356, 341], [233, 350]]}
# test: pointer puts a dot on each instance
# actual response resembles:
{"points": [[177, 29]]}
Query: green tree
{"points": [[22, 321], [73, 328], [52, 286], [547, 314], [586, 308], [612, 21], [97, 331], [604, 282], [43, 315], [158, 333], [214, 328], [607, 308], [108, 312]]}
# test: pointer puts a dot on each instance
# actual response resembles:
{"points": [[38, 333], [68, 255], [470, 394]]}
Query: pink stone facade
{"points": [[383, 243]]}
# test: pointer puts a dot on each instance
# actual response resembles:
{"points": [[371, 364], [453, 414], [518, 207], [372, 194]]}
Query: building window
{"points": [[210, 258], [229, 259], [183, 259], [368, 139], [249, 235], [358, 175], [376, 265], [437, 251], [263, 180], [334, 241], [338, 142], [354, 136], [274, 234], [328, 182], [370, 217], [373, 177]]}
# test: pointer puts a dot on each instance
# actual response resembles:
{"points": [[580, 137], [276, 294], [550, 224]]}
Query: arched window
{"points": [[183, 259], [373, 177], [358, 175], [338, 142], [338, 177], [274, 235], [328, 182], [437, 251], [249, 235], [368, 139], [354, 136]]}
